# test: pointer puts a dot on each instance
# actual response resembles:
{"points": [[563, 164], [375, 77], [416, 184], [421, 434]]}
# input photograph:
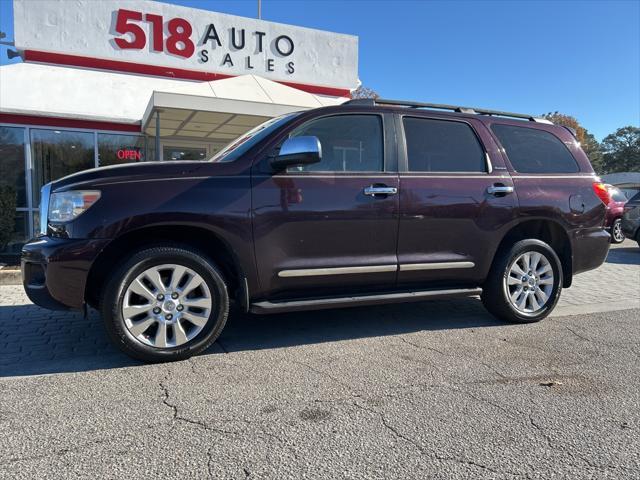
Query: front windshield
{"points": [[244, 142]]}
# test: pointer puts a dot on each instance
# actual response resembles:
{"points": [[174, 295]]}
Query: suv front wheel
{"points": [[524, 283], [165, 303]]}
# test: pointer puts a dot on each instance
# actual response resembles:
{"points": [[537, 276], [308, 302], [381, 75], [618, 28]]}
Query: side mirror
{"points": [[297, 151]]}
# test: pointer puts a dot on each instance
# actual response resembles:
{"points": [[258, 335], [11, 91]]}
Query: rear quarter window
{"points": [[535, 151], [617, 195]]}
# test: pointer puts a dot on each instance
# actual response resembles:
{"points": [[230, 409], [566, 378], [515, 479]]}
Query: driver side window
{"points": [[350, 143]]}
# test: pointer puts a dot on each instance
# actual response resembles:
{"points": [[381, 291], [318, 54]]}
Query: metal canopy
{"points": [[224, 109]]}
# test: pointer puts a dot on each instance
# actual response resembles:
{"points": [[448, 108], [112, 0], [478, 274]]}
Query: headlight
{"points": [[65, 206]]}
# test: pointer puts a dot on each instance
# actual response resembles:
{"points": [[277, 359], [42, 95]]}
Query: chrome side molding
{"points": [[312, 272], [407, 267]]}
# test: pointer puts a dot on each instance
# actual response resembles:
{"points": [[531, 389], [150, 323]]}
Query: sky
{"points": [[581, 58]]}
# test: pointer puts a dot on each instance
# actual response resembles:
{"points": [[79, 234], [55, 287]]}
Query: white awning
{"points": [[83, 94], [224, 109], [78, 94]]}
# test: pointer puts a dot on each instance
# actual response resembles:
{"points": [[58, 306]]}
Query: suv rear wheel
{"points": [[524, 283], [165, 303]]}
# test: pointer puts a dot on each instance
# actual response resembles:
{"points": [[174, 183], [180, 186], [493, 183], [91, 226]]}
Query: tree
{"points": [[364, 92], [622, 150], [587, 141]]}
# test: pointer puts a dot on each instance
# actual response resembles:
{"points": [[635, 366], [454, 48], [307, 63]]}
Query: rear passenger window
{"points": [[442, 146], [535, 151]]}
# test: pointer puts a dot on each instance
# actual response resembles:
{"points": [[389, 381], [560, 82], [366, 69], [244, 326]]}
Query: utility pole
{"points": [[259, 9]]}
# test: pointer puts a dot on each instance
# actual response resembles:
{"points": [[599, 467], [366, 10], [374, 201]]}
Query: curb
{"points": [[10, 277], [600, 307]]}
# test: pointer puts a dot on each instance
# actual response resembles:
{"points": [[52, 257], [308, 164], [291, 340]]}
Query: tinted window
{"points": [[535, 151], [350, 143], [12, 162], [442, 146], [183, 153], [617, 195], [58, 153], [245, 142], [115, 148]]}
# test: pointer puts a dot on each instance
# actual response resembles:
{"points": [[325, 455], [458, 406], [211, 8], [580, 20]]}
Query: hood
{"points": [[129, 172]]}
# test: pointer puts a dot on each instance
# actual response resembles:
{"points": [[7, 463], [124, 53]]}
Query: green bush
{"points": [[7, 214]]}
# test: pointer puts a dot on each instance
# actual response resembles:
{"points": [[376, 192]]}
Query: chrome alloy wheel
{"points": [[529, 282], [166, 306], [618, 236]]}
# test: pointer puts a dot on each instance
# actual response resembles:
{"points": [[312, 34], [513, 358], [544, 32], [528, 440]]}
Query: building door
{"points": [[319, 229]]}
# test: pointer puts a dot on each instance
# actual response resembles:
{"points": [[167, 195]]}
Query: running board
{"points": [[361, 300]]}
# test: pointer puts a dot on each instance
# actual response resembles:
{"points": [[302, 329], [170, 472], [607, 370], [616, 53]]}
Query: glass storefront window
{"points": [[184, 153], [57, 153], [19, 236], [12, 162], [114, 149]]}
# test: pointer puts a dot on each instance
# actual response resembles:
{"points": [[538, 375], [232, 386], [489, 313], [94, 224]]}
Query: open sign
{"points": [[129, 154]]}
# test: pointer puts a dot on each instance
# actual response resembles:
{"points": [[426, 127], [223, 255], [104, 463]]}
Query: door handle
{"points": [[373, 190], [499, 190]]}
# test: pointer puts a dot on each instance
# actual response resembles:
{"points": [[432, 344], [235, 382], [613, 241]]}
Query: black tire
{"points": [[494, 291], [616, 226], [141, 260]]}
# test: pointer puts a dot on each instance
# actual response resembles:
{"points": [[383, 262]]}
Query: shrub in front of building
{"points": [[8, 202]]}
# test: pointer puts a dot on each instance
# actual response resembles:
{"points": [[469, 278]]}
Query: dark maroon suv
{"points": [[360, 204]]}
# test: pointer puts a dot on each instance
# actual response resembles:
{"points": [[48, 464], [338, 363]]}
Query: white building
{"points": [[113, 81]]}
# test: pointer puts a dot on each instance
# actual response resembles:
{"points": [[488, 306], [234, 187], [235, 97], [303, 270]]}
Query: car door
{"points": [[456, 201], [328, 228]]}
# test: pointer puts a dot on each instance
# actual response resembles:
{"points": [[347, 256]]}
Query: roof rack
{"points": [[441, 106]]}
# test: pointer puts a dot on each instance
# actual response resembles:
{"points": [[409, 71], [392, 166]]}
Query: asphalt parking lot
{"points": [[429, 390]]}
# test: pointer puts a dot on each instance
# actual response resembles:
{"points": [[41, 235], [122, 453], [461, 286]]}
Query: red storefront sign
{"points": [[129, 154]]}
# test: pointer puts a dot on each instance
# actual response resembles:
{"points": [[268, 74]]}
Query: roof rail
{"points": [[441, 106]]}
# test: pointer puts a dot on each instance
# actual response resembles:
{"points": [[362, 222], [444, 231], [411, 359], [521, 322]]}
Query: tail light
{"points": [[602, 192]]}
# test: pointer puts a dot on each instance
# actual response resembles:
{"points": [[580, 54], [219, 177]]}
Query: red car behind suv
{"points": [[615, 210], [360, 204]]}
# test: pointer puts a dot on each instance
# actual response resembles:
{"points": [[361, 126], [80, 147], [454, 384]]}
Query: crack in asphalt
{"points": [[517, 415], [323, 373], [542, 432], [582, 337], [450, 355], [58, 453], [192, 363], [433, 454], [177, 417], [622, 346], [210, 461], [422, 347]]}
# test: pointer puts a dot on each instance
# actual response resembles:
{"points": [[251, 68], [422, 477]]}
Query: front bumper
{"points": [[55, 270]]}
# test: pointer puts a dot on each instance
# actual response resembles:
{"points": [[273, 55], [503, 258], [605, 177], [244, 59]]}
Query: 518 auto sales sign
{"points": [[170, 40]]}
